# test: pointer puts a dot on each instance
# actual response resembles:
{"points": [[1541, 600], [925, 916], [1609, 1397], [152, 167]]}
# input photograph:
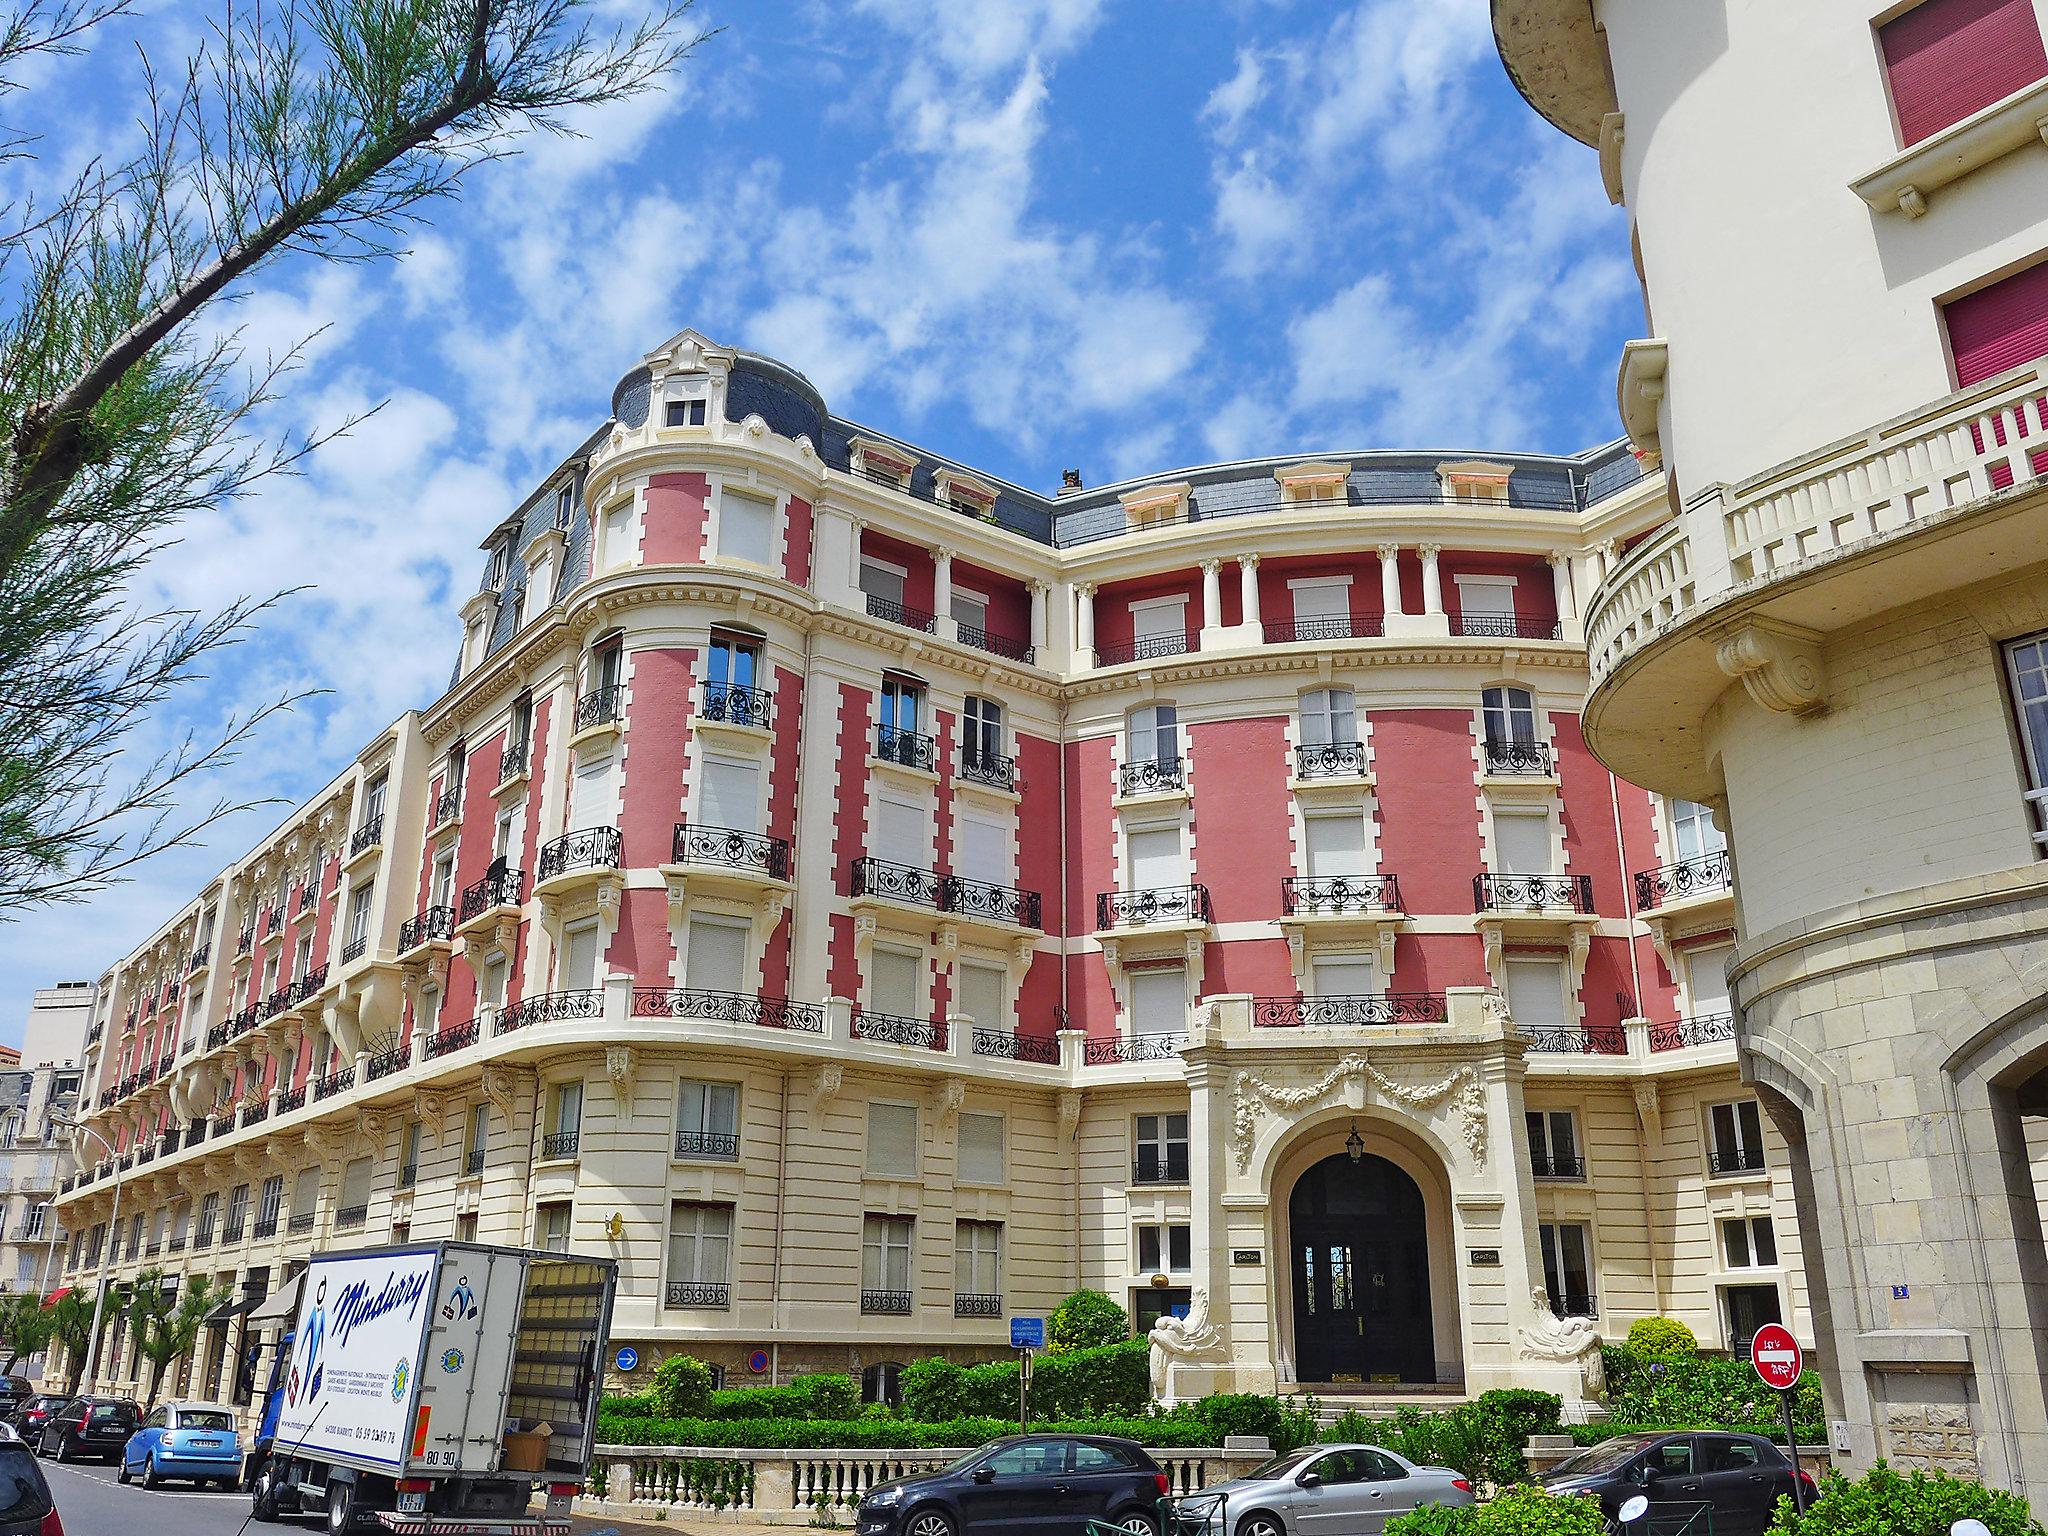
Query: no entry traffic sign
{"points": [[1777, 1357]]}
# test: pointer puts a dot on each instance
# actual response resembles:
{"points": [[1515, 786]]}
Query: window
{"points": [[729, 794], [1554, 1144], [1152, 735], [892, 1141], [978, 1258], [576, 967], [618, 535], [359, 913], [982, 848], [707, 1119], [209, 1218], [503, 833], [1706, 981], [1335, 843], [591, 800], [440, 891], [497, 971], [716, 960], [1159, 623], [746, 527], [683, 413], [1158, 1001], [478, 1138], [565, 506], [1749, 1242], [1322, 606], [1328, 717], [409, 1155], [1693, 833], [1169, 1248], [884, 1259], [981, 731], [1149, 1303], [1344, 976], [238, 1213], [982, 993], [302, 959], [1536, 997], [699, 1253], [970, 609], [1162, 1149], [565, 1120], [895, 982], [1509, 715], [981, 1149], [882, 579], [465, 1227], [355, 1191], [735, 662], [1521, 842], [373, 801], [1486, 605], [1738, 1134], [1153, 859], [606, 664], [1947, 59], [1565, 1271], [519, 735], [1998, 327], [2026, 663], [272, 1204], [553, 1226], [902, 704]]}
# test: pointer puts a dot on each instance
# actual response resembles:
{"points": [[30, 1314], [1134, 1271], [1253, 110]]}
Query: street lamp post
{"points": [[99, 1300]]}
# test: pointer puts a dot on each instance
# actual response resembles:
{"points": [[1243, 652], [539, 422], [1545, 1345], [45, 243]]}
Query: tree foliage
{"points": [[1086, 1320], [71, 1331], [306, 128], [25, 1323], [164, 1322]]}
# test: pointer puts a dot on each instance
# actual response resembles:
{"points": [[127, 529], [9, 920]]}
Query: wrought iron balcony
{"points": [[559, 1144], [967, 1305], [195, 1133], [247, 941], [1142, 650], [1711, 1029], [473, 1162], [309, 985], [350, 1217], [1576, 1304], [728, 1008], [894, 882], [1103, 1050], [1305, 631], [1548, 1166], [499, 890], [458, 1037], [891, 612], [550, 1007], [1505, 626], [736, 704], [1008, 1045], [266, 1226], [199, 957], [246, 1020], [255, 1113], [434, 923], [998, 645], [590, 848], [1162, 904], [367, 836], [232, 1231], [340, 1080], [1357, 1011], [300, 1221], [601, 706], [896, 745], [355, 949], [512, 760], [273, 923], [999, 903], [302, 899], [1516, 759], [408, 1175], [386, 1062], [1706, 875], [1151, 776], [1167, 1165], [697, 1293], [1508, 893], [730, 848], [1330, 895], [278, 1001], [722, 1145], [899, 1029], [448, 807], [1330, 760], [885, 1303], [1593, 1040], [1727, 1160], [291, 1099], [990, 768], [224, 1122]]}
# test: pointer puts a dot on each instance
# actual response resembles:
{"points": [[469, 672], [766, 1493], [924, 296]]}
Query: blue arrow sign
{"points": [[627, 1359]]}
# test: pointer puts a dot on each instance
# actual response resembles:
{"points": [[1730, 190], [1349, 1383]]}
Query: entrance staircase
{"points": [[1374, 1400]]}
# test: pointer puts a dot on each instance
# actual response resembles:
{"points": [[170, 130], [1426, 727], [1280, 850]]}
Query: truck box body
{"points": [[416, 1361]]}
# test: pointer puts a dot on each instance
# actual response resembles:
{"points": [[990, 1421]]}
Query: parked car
{"points": [[1023, 1484], [89, 1426], [27, 1507], [14, 1391], [1321, 1490], [1740, 1477], [195, 1440], [33, 1414]]}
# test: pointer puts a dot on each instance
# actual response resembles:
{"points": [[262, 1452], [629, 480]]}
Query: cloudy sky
{"points": [[1118, 235]]}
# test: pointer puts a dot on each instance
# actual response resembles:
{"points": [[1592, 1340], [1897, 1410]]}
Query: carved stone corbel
{"points": [[825, 1084], [326, 1142], [1779, 665], [429, 1109], [369, 1132], [1070, 1112], [952, 1099], [1650, 1111], [618, 1066], [499, 1084]]}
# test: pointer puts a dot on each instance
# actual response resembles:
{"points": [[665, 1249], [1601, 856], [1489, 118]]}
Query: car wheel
{"points": [[929, 1522], [121, 1472], [1261, 1523], [341, 1507], [263, 1499], [1137, 1522], [149, 1477], [64, 1448]]}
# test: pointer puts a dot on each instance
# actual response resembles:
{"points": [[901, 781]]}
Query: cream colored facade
{"points": [[1820, 642]]}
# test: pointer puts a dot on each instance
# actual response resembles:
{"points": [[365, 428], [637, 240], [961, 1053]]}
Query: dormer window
{"points": [[881, 462], [1313, 484], [964, 495], [494, 568], [1475, 482], [688, 402], [684, 413], [1156, 504], [565, 506]]}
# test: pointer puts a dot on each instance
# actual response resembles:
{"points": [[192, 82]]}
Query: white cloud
{"points": [[983, 38]]}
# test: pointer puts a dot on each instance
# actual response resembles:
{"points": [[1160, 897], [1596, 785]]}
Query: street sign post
{"points": [[627, 1359], [1026, 1334], [1778, 1360]]}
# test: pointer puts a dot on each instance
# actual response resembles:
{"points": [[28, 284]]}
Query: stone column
{"points": [[1432, 580], [1248, 597], [1038, 635], [1084, 638], [1211, 628], [1390, 579], [942, 594], [1561, 584]]}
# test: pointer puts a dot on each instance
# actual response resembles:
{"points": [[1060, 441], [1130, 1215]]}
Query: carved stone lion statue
{"points": [[1181, 1338], [1567, 1341]]}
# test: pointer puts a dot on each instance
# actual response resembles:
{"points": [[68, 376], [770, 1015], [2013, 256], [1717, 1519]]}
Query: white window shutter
{"points": [[746, 527], [1536, 993], [894, 986], [717, 958], [1159, 1002], [730, 795], [1522, 843], [892, 1140], [1336, 844], [981, 1149], [984, 850]]}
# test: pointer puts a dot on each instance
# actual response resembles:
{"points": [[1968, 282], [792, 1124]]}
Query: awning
{"points": [[227, 1311], [281, 1305], [57, 1295]]}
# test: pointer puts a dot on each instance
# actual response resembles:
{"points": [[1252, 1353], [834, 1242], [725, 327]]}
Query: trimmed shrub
{"points": [[1811, 1436], [1679, 1393], [827, 1395], [1661, 1338], [1517, 1512], [1435, 1520], [682, 1386], [1882, 1503], [1114, 1379], [1182, 1427], [1482, 1440], [932, 1391], [1085, 1320], [626, 1405]]}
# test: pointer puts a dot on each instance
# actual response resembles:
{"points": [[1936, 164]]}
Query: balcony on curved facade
{"points": [[1575, 1040], [1011, 1045], [1518, 759], [889, 611], [1364, 1010], [1009, 649], [1154, 907], [1505, 626], [991, 770], [1341, 760], [1145, 648], [496, 894], [340, 1080], [550, 1008], [577, 861], [747, 858], [878, 1028], [736, 704], [456, 1037], [392, 1059], [1686, 900], [435, 925], [1689, 1034], [1322, 631], [906, 749], [600, 707], [698, 1005], [1152, 776]]}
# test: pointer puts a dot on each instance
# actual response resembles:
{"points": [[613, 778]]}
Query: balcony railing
{"points": [[338, 1081], [998, 645], [1008, 1045], [990, 768], [1358, 1011], [697, 1293], [408, 1175], [1330, 760], [386, 1062], [367, 836], [899, 1029], [1507, 893], [1105, 1050], [1711, 1029], [246, 942], [291, 1099], [966, 1304], [499, 890], [473, 1162], [458, 1037], [885, 1303], [1330, 895], [1576, 1304], [1160, 1166], [1727, 1160], [266, 1226], [300, 1221], [512, 761], [277, 1002], [737, 704], [714, 1144], [355, 949], [1550, 1166], [730, 848], [1000, 903], [434, 923], [890, 611], [350, 1217], [1306, 631], [1144, 649], [255, 1113], [302, 899], [589, 848], [559, 1144], [550, 1008], [1566, 1040], [893, 882], [224, 1122], [600, 706], [893, 744], [728, 1008], [232, 1230], [199, 958], [1503, 626], [1516, 759], [310, 984], [273, 921], [1151, 776], [1703, 876], [1162, 904], [246, 1020], [448, 807]]}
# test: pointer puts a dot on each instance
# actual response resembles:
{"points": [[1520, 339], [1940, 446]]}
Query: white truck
{"points": [[434, 1388]]}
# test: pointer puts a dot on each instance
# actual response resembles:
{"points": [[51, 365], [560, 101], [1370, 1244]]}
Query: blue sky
{"points": [[1118, 235]]}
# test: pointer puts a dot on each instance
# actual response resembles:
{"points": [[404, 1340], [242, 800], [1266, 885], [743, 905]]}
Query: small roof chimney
{"points": [[1070, 482]]}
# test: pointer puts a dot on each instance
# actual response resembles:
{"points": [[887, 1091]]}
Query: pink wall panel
{"points": [[1113, 624], [1535, 595], [1243, 830], [782, 811], [849, 829], [1040, 861], [1430, 962], [1009, 602], [796, 547], [1090, 996], [643, 947], [1258, 966], [672, 519], [1090, 854], [657, 753], [917, 585], [1428, 805], [1038, 995], [1276, 598]]}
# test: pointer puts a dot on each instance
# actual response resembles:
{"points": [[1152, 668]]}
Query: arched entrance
{"points": [[1359, 1249]]}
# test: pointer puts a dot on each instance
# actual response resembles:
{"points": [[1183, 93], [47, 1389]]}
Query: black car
{"points": [[1025, 1485], [27, 1507], [14, 1391], [1740, 1477], [89, 1426], [28, 1420]]}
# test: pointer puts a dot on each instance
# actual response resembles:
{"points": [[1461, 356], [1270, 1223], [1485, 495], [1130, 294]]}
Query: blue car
{"points": [[195, 1440]]}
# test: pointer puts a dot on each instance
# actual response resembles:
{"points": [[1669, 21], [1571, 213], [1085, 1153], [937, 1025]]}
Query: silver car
{"points": [[1320, 1490]]}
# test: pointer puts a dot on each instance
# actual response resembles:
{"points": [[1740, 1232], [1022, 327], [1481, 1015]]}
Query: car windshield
{"points": [[203, 1418], [1604, 1457], [24, 1496], [1283, 1466]]}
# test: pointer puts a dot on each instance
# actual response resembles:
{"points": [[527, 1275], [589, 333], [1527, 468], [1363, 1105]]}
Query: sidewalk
{"points": [[684, 1523]]}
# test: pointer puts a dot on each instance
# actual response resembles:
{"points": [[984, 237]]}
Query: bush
{"points": [[1113, 1379], [1286, 1425], [1661, 1338], [1181, 1427], [1482, 1440], [827, 1396], [1882, 1503], [1679, 1393], [626, 1404], [682, 1387], [931, 1390], [1085, 1320], [1518, 1512], [1811, 1436]]}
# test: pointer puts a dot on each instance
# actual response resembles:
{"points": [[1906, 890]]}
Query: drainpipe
{"points": [[1066, 923], [775, 1267]]}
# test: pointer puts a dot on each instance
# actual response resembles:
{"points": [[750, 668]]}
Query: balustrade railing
{"points": [[1162, 904], [1552, 1166], [291, 1099], [899, 1029], [1305, 631], [550, 1008], [1358, 1011], [434, 923], [728, 1008], [1146, 648], [998, 645], [1710, 1029], [889, 611], [737, 704], [560, 1143], [1503, 626], [600, 706], [723, 1145], [1008, 1045], [331, 1083], [1329, 895], [730, 848], [1104, 1050], [355, 949], [1150, 776], [1706, 875], [697, 1293], [1566, 1040], [1515, 759], [1330, 760], [367, 836], [893, 744], [990, 768], [497, 890], [1496, 893], [1160, 1166], [587, 848], [999, 903], [456, 1037], [885, 1303], [396, 1059], [966, 1304], [894, 882], [1727, 1160]]}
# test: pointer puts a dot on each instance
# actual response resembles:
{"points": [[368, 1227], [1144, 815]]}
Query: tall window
{"points": [[1162, 1149], [892, 1141], [553, 1226], [409, 1155], [565, 1120], [359, 913], [981, 1149], [1738, 1134], [356, 1178], [1169, 1248], [1566, 1274], [478, 1139], [1158, 1001], [1996, 327], [2026, 664], [273, 1201], [1153, 735], [1749, 1242], [970, 610], [1328, 716], [1509, 715], [606, 666], [735, 661], [1946, 59], [565, 506], [746, 527], [519, 735], [441, 891], [902, 705], [978, 1258], [209, 1218], [884, 1259], [981, 731], [707, 1119], [1693, 833], [373, 800], [1554, 1144], [1536, 993], [238, 1213], [882, 579]]}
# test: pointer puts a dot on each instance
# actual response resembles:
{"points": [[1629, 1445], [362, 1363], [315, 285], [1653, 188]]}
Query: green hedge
{"points": [[1518, 1512], [1882, 1503], [1112, 1379], [1482, 1439], [1181, 1427], [1678, 1393]]}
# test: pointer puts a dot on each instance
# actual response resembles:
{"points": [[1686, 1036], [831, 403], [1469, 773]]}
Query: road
{"points": [[93, 1504]]}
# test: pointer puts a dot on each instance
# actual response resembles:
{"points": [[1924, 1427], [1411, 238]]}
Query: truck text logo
{"points": [[358, 1305]]}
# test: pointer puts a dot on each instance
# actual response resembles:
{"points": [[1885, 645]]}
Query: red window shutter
{"points": [[1999, 327], [1949, 58]]}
